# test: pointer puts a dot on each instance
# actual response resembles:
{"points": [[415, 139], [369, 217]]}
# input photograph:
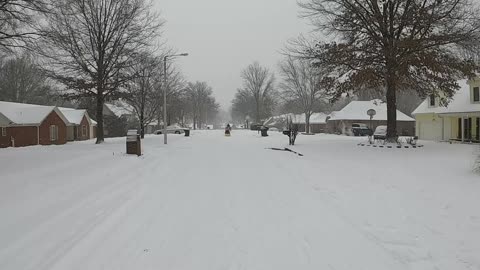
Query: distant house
{"points": [[340, 122], [81, 127], [279, 121], [26, 124], [317, 122], [459, 120], [119, 109], [118, 118], [152, 127]]}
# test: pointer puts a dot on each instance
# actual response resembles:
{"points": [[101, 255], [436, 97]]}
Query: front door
{"points": [[468, 129]]}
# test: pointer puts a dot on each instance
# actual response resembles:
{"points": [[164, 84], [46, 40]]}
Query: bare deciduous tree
{"points": [[175, 93], [305, 85], [243, 105], [89, 45], [259, 82], [201, 103], [18, 20], [23, 81], [394, 44], [143, 92]]}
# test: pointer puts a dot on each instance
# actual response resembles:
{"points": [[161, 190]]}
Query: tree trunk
{"points": [[257, 116], [391, 107], [100, 133], [142, 126], [307, 123]]}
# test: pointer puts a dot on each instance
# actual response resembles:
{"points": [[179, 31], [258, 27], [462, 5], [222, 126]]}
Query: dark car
{"points": [[361, 130]]}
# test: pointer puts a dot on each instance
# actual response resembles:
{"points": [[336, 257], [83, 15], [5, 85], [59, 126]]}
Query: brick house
{"points": [[340, 122], [26, 124], [80, 127]]}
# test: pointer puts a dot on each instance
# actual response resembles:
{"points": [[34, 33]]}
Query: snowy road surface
{"points": [[210, 202]]}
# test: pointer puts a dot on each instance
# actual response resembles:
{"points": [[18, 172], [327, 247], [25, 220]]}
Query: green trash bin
{"points": [[187, 132]]}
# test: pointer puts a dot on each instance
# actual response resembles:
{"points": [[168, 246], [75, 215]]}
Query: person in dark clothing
{"points": [[228, 130]]}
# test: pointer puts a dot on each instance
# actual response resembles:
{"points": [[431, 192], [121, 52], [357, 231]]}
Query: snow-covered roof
{"points": [[357, 110], [27, 114], [315, 118], [460, 103], [73, 116], [120, 108], [4, 121], [276, 120], [155, 123]]}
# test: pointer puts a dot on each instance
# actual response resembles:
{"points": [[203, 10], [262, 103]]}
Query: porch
{"points": [[462, 127]]}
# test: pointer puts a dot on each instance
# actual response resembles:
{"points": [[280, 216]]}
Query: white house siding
{"points": [[430, 131]]}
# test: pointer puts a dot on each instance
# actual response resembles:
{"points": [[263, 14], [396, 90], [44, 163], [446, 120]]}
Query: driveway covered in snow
{"points": [[210, 202]]}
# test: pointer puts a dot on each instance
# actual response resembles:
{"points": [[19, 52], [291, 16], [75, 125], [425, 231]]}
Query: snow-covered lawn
{"points": [[210, 202]]}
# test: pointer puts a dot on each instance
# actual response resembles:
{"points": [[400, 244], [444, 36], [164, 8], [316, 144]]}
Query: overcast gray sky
{"points": [[225, 36]]}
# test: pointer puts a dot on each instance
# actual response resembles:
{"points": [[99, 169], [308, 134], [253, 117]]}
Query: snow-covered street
{"points": [[211, 202]]}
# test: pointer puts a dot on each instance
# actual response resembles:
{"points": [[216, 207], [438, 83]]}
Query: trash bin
{"points": [[187, 132], [133, 143], [264, 130]]}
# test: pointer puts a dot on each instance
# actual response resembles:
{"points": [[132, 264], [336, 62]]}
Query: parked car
{"points": [[361, 130], [173, 129], [380, 133]]}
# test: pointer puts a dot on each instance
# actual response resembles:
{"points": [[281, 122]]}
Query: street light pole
{"points": [[165, 99], [165, 91]]}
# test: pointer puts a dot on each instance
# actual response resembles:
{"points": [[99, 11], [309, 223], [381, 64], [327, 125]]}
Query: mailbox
{"points": [[134, 143]]}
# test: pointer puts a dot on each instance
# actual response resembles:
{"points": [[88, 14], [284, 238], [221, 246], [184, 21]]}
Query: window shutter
{"points": [[53, 133], [432, 100], [476, 94]]}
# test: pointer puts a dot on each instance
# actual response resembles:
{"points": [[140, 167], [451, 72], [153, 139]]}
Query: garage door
{"points": [[430, 131]]}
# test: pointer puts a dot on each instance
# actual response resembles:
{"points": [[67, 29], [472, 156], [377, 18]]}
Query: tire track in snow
{"points": [[104, 200]]}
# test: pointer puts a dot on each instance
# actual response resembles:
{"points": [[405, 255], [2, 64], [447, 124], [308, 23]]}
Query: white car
{"points": [[173, 129], [380, 133]]}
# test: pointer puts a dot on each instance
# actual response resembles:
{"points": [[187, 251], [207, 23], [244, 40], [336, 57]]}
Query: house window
{"points": [[4, 131], [53, 133], [432, 100], [476, 94], [84, 131]]}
